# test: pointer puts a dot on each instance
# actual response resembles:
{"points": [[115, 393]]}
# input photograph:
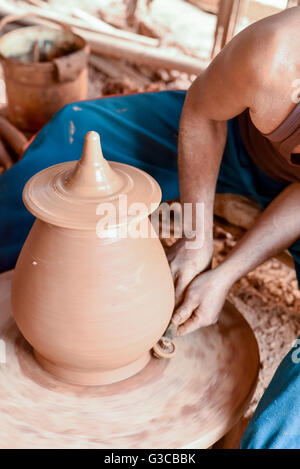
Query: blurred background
{"points": [[197, 29]]}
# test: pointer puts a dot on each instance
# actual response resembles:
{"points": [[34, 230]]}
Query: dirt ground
{"points": [[269, 299]]}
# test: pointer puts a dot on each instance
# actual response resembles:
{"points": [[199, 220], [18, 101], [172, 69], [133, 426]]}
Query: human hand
{"points": [[202, 303], [186, 264]]}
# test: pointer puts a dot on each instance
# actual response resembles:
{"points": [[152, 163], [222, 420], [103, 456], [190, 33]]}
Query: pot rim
{"points": [[47, 66], [42, 187]]}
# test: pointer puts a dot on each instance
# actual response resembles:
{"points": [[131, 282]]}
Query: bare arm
{"points": [[201, 146], [277, 228], [250, 72], [218, 94]]}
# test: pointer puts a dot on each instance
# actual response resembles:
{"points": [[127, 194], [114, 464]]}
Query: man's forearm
{"points": [[201, 147], [276, 229]]}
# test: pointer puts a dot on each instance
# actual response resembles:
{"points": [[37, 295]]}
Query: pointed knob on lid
{"points": [[69, 194], [92, 174]]}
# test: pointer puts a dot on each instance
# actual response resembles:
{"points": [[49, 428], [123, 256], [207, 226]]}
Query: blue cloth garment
{"points": [[276, 421], [142, 130]]}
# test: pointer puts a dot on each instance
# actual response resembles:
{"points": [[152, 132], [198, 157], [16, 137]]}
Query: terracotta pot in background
{"points": [[36, 90], [92, 308]]}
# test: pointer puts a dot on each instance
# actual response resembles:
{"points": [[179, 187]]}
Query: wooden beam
{"points": [[139, 54], [116, 69], [118, 48], [284, 257], [229, 15]]}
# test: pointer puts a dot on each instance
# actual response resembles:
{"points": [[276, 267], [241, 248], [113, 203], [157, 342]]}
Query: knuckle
{"points": [[191, 298]]}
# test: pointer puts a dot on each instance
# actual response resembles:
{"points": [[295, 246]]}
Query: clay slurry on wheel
{"points": [[189, 401]]}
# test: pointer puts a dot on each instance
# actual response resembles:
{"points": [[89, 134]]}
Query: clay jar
{"points": [[91, 307], [38, 89]]}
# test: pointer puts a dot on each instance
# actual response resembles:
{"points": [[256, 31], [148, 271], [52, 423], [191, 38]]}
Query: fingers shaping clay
{"points": [[91, 306]]}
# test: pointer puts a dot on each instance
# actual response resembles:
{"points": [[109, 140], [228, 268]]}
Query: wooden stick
{"points": [[136, 53], [14, 137], [114, 69], [130, 11], [229, 14], [36, 52], [236, 214], [238, 232], [131, 73], [104, 66], [237, 209], [95, 25], [100, 25], [6, 160]]}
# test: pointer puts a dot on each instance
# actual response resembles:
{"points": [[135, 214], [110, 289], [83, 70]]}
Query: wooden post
{"points": [[230, 12]]}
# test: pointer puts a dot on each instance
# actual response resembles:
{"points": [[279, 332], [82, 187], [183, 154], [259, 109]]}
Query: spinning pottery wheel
{"points": [[191, 400], [92, 304]]}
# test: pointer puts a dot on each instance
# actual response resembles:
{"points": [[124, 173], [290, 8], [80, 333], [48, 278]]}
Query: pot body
{"points": [[91, 308]]}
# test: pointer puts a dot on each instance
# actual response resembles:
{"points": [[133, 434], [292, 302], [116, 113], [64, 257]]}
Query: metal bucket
{"points": [[37, 89]]}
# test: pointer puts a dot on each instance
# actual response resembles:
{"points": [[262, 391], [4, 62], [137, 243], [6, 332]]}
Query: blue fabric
{"points": [[142, 130], [138, 129], [276, 421]]}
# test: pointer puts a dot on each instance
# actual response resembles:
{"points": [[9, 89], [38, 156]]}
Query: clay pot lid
{"points": [[70, 194]]}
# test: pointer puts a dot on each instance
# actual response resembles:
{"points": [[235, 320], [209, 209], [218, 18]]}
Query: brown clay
{"points": [[189, 401], [92, 308], [44, 69]]}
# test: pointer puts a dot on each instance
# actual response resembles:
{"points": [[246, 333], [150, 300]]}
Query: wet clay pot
{"points": [[92, 303]]}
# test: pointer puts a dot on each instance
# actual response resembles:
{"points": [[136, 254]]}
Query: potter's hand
{"points": [[202, 303], [186, 264]]}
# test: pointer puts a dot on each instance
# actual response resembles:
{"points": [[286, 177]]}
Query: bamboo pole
{"points": [[133, 52], [85, 21], [136, 53], [97, 23], [120, 48]]}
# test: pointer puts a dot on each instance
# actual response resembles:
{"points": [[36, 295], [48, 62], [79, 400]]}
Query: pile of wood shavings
{"points": [[269, 299]]}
